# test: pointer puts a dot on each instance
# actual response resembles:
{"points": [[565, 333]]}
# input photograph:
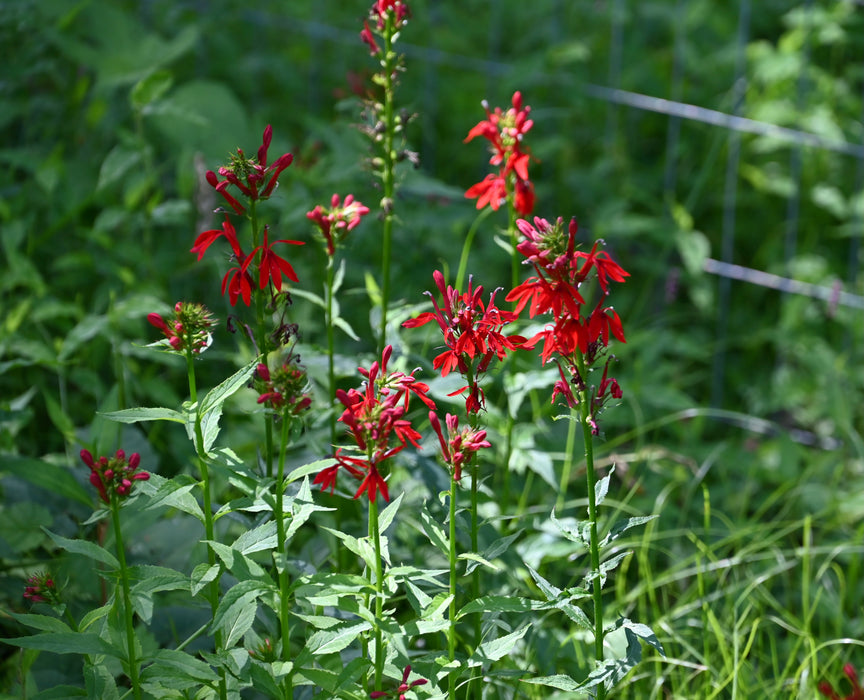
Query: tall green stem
{"points": [[213, 586], [388, 172], [284, 609], [451, 632], [127, 598], [375, 536], [331, 367], [585, 416]]}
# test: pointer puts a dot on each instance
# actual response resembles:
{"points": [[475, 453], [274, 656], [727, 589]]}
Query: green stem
{"points": [[451, 632], [284, 608], [331, 367], [213, 586], [375, 535], [568, 461], [127, 598], [388, 173], [591, 477], [466, 246]]}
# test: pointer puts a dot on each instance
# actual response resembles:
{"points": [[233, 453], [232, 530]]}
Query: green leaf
{"points": [[150, 88], [434, 531], [623, 525], [498, 648], [257, 539], [386, 516], [203, 574], [311, 468], [67, 643], [88, 549], [578, 531], [94, 615], [175, 493], [171, 663], [335, 640], [21, 524], [237, 609], [46, 623], [51, 477], [100, 683], [138, 415], [210, 410], [559, 681], [150, 580], [477, 560], [602, 487], [501, 603], [643, 632]]}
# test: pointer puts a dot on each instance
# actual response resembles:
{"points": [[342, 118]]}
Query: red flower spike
{"points": [[271, 267], [114, 475], [336, 222]]}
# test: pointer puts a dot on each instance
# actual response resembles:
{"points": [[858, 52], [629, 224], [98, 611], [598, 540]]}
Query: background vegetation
{"points": [[742, 421]]}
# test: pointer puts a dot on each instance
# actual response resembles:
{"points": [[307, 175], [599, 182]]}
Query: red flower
{"points": [[284, 389], [254, 178], [857, 690], [115, 475], [238, 283], [461, 446], [375, 420], [343, 217], [271, 267], [505, 131], [368, 38], [206, 239], [41, 588], [472, 334], [403, 687]]}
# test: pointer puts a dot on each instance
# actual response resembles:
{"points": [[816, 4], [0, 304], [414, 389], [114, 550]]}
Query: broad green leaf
{"points": [[67, 643], [217, 396], [335, 640], [601, 489], [501, 603], [180, 665], [578, 531], [46, 623], [60, 692], [175, 493], [138, 415], [94, 615], [387, 515], [476, 559], [302, 507], [150, 580], [21, 525], [236, 611], [257, 539], [86, 329], [559, 681], [644, 632], [51, 477], [203, 574], [498, 648], [311, 468], [100, 683], [88, 549], [434, 531]]}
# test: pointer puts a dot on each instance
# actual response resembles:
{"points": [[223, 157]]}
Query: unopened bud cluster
{"points": [[41, 589], [190, 327], [115, 474], [284, 388]]}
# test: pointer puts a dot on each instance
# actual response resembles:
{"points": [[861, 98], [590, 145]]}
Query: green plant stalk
{"points": [[466, 247], [451, 631], [331, 343], [284, 608], [261, 338], [213, 586], [375, 536], [388, 175], [127, 598], [568, 461], [591, 478]]}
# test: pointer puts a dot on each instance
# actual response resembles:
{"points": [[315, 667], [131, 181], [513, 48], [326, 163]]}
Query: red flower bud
{"points": [[87, 458]]}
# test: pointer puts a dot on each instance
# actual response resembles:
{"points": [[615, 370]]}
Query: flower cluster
{"points": [[402, 689], [504, 131], [472, 334], [253, 177], [238, 281], [378, 13], [562, 270], [41, 588], [462, 444], [335, 222], [857, 691], [375, 418], [114, 475], [189, 329], [283, 389]]}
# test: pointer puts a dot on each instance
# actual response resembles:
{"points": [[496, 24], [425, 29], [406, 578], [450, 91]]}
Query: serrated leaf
{"points": [[46, 623], [601, 489], [643, 632], [220, 393], [100, 683], [335, 640], [94, 615], [579, 531], [434, 531], [622, 526], [67, 643], [501, 603], [386, 516], [558, 681], [257, 539], [236, 611], [173, 493], [202, 575], [150, 580], [88, 549], [176, 664], [140, 414], [498, 648]]}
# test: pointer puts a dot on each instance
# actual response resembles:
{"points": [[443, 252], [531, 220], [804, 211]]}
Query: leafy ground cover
{"points": [[700, 537]]}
